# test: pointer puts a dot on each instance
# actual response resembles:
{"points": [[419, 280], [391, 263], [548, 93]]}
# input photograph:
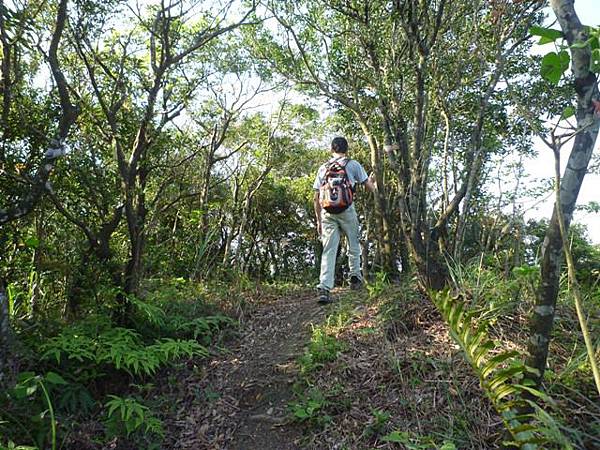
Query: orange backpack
{"points": [[335, 193]]}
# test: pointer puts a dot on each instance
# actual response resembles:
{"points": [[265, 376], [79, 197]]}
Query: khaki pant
{"points": [[331, 226]]}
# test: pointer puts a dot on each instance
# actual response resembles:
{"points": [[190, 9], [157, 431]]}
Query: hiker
{"points": [[335, 185]]}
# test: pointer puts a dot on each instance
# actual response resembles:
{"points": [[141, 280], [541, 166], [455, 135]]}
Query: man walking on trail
{"points": [[334, 188]]}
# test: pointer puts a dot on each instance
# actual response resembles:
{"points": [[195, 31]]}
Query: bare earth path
{"points": [[402, 375], [239, 401]]}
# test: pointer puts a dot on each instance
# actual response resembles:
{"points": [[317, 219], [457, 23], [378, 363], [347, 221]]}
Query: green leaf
{"points": [[25, 377], [32, 242], [54, 378], [113, 404], [401, 437], [554, 65], [19, 392], [581, 44], [481, 352], [503, 391], [448, 446], [547, 35], [301, 413], [569, 111], [494, 362], [504, 375], [31, 389], [524, 427], [535, 392]]}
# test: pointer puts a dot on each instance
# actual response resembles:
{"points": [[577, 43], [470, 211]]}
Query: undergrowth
{"points": [[498, 304], [353, 396], [96, 372]]}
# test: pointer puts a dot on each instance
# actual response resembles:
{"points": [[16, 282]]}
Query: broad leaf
{"points": [[554, 65], [54, 378], [547, 35], [569, 111]]}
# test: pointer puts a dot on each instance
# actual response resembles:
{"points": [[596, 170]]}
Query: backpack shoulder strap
{"points": [[342, 161]]}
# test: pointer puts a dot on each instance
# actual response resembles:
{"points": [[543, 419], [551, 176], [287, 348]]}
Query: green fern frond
{"points": [[503, 376]]}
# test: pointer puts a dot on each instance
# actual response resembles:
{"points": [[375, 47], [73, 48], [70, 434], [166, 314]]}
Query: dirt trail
{"points": [[403, 376], [239, 401]]}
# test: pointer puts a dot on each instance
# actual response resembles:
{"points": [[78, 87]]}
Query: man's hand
{"points": [[319, 228], [371, 184]]}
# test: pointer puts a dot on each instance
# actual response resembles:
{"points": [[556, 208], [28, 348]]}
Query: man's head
{"points": [[339, 145]]}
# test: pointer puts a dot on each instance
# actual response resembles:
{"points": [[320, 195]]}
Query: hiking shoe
{"points": [[324, 296], [355, 283]]}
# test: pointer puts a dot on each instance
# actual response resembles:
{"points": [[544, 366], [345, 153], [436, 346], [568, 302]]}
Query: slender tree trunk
{"points": [[36, 290], [364, 251], [318, 252], [341, 257], [237, 262], [57, 146], [404, 254], [245, 264], [227, 247], [133, 270], [4, 332], [586, 88], [386, 238]]}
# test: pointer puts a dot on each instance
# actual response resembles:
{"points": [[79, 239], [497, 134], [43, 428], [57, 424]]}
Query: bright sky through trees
{"points": [[540, 167]]}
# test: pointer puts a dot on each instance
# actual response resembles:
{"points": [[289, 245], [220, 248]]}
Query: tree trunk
{"points": [[36, 290], [586, 88], [364, 252], [136, 222], [318, 252], [386, 238], [56, 147], [4, 332]]}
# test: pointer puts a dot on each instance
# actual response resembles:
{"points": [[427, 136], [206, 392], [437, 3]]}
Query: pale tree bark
{"points": [[57, 146], [586, 88], [246, 209], [386, 237], [35, 288], [237, 185]]}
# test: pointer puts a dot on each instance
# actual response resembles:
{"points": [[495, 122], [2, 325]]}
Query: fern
{"points": [[152, 313], [130, 415], [119, 347], [503, 377], [200, 327]]}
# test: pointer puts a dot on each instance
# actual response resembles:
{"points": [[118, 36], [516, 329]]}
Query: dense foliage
{"points": [[157, 161]]}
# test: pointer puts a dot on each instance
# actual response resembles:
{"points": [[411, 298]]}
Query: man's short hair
{"points": [[339, 145]]}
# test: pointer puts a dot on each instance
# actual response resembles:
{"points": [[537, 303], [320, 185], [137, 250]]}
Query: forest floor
{"points": [[360, 373]]}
